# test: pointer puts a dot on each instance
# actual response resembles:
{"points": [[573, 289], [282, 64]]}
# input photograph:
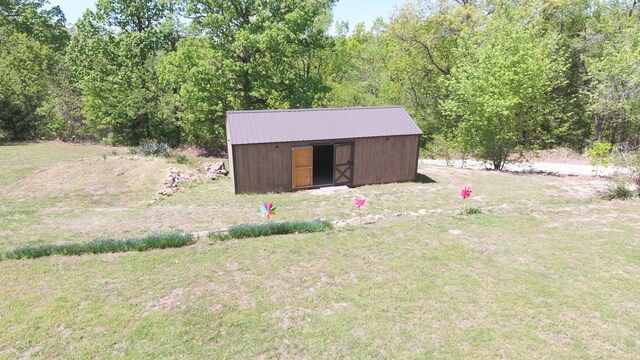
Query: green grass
{"points": [[549, 270], [100, 246], [274, 228]]}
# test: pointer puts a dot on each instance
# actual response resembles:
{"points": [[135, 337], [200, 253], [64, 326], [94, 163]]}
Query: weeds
{"points": [[98, 246], [273, 228], [180, 158], [470, 210], [619, 191], [150, 148]]}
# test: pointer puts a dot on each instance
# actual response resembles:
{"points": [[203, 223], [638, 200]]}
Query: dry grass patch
{"points": [[507, 285]]}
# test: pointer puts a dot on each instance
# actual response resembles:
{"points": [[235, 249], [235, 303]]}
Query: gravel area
{"points": [[535, 167]]}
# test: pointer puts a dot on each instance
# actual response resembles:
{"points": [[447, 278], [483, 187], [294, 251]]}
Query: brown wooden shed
{"points": [[283, 150]]}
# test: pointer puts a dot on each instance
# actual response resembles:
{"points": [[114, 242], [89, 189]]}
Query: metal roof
{"points": [[273, 126]]}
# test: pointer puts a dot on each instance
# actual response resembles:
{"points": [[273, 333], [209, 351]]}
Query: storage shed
{"points": [[283, 150]]}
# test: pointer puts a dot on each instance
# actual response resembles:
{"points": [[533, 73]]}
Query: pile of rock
{"points": [[369, 219], [213, 171], [174, 177]]}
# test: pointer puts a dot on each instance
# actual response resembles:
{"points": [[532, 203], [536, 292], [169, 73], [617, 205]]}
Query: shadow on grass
{"points": [[424, 179]]}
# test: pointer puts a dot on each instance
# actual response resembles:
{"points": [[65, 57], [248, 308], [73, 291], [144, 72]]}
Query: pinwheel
{"points": [[360, 200], [268, 210], [468, 210]]}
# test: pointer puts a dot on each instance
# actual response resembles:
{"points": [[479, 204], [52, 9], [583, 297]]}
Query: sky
{"points": [[353, 11]]}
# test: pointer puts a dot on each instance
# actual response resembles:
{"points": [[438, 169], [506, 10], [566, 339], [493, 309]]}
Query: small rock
{"points": [[455, 232]]}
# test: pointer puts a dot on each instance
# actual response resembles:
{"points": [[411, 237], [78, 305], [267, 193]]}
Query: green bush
{"points": [[153, 241], [599, 154], [151, 148], [180, 158], [619, 191], [631, 161], [274, 228], [442, 148], [470, 210]]}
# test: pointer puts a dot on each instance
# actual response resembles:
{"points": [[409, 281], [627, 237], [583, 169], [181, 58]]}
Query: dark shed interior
{"points": [[323, 165]]}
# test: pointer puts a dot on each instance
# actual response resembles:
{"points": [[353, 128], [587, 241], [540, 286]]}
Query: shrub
{"points": [[151, 148], [274, 228], [180, 158], [470, 210], [630, 160], [153, 241], [619, 191], [599, 154], [442, 148]]}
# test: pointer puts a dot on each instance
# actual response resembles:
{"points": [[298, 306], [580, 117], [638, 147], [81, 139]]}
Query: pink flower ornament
{"points": [[465, 193], [359, 203]]}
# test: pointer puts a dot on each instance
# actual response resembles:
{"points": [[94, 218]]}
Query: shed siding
{"points": [[230, 155], [378, 160], [260, 168]]}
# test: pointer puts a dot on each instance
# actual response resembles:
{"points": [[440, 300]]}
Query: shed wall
{"points": [[260, 168], [378, 160]]}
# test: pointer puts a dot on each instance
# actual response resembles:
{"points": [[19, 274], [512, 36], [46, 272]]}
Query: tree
{"points": [[500, 88], [358, 69], [422, 42], [612, 58], [29, 39], [202, 94], [599, 154], [271, 49], [30, 17], [114, 55], [24, 80]]}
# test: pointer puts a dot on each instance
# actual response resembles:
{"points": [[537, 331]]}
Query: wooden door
{"points": [[302, 167], [343, 164]]}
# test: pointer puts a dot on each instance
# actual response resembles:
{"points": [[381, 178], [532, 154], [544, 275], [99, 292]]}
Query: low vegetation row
{"points": [[100, 246], [273, 228], [165, 240]]}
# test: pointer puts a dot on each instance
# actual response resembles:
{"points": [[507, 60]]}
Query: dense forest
{"points": [[485, 77]]}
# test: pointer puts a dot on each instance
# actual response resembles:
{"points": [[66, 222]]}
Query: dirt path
{"points": [[535, 167]]}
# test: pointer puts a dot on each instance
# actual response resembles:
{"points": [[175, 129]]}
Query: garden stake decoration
{"points": [[465, 193], [268, 210], [359, 203], [468, 210]]}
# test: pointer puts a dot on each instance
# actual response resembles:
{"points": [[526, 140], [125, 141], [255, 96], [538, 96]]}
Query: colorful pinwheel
{"points": [[360, 200], [268, 210], [465, 193]]}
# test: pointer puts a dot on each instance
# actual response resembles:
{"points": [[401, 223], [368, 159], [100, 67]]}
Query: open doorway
{"points": [[322, 165]]}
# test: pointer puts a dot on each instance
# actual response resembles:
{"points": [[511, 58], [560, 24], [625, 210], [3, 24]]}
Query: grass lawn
{"points": [[548, 270]]}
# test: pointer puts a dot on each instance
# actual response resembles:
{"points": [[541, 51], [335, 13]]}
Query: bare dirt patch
{"points": [[172, 300], [95, 178]]}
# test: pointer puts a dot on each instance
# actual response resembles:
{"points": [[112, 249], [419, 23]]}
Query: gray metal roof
{"points": [[271, 126]]}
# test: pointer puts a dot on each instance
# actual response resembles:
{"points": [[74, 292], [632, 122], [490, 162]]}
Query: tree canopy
{"points": [[487, 77]]}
